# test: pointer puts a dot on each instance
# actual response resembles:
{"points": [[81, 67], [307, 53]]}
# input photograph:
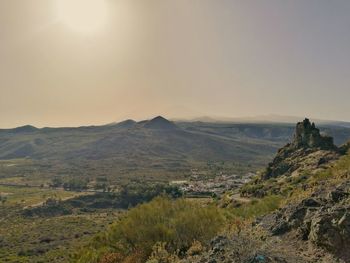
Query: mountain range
{"points": [[149, 147], [271, 118]]}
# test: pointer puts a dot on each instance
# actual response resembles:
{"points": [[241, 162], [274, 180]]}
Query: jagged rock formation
{"points": [[308, 136], [307, 139], [345, 148]]}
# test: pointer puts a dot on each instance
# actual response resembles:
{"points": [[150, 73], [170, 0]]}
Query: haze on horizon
{"points": [[181, 59]]}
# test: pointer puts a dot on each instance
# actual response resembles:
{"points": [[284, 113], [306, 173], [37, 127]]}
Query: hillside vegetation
{"points": [[176, 224], [296, 214]]}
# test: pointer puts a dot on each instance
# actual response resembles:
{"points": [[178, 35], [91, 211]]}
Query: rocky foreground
{"points": [[313, 225]]}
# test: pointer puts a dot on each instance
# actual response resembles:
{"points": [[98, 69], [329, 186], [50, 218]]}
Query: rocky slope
{"points": [[311, 175], [307, 140], [308, 153], [323, 219]]}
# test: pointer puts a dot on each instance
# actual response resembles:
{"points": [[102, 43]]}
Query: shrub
{"points": [[112, 258], [175, 223], [258, 207], [161, 255], [195, 249]]}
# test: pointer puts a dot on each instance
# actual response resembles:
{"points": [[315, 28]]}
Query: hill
{"points": [[160, 123], [155, 149]]}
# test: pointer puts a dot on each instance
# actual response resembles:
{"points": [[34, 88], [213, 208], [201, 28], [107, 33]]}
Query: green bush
{"points": [[258, 207], [176, 223]]}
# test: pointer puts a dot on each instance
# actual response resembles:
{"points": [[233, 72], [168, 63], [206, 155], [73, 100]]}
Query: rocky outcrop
{"points": [[307, 139], [308, 136], [323, 219], [314, 226], [345, 148]]}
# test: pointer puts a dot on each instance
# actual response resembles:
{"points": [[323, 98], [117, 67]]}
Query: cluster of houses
{"points": [[198, 185]]}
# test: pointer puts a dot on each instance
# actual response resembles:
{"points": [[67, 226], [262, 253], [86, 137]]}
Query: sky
{"points": [[74, 63]]}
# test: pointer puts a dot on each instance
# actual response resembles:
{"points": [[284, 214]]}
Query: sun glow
{"points": [[85, 16]]}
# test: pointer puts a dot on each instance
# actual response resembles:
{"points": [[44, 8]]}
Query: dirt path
{"points": [[62, 199]]}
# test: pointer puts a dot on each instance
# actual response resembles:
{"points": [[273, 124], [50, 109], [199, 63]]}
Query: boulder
{"points": [[331, 230]]}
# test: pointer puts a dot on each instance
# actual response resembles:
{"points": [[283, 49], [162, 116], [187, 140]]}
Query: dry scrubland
{"points": [[54, 213]]}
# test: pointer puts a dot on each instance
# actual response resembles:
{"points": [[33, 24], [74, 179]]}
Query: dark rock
{"points": [[331, 230], [297, 215], [304, 230], [259, 259], [345, 148], [280, 228], [322, 161], [337, 195], [310, 202]]}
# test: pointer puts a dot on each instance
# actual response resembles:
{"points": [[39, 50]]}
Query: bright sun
{"points": [[85, 16]]}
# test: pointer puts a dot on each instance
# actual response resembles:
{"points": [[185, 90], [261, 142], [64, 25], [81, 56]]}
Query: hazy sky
{"points": [[177, 58]]}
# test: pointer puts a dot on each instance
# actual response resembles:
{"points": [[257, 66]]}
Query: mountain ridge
{"points": [[155, 145]]}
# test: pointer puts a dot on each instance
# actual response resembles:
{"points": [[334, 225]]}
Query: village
{"points": [[200, 185]]}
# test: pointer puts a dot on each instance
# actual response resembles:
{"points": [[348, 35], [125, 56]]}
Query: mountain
{"points": [[160, 123], [151, 148], [22, 129], [125, 124]]}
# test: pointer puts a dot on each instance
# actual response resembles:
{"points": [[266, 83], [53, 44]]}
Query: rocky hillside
{"points": [[296, 211], [307, 140], [307, 153], [310, 176]]}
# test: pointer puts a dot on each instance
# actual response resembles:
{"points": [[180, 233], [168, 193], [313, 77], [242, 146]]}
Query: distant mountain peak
{"points": [[160, 118], [126, 124], [26, 128], [160, 122]]}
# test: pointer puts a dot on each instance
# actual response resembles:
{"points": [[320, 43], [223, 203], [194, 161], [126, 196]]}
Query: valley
{"points": [[174, 131], [152, 150], [60, 187]]}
